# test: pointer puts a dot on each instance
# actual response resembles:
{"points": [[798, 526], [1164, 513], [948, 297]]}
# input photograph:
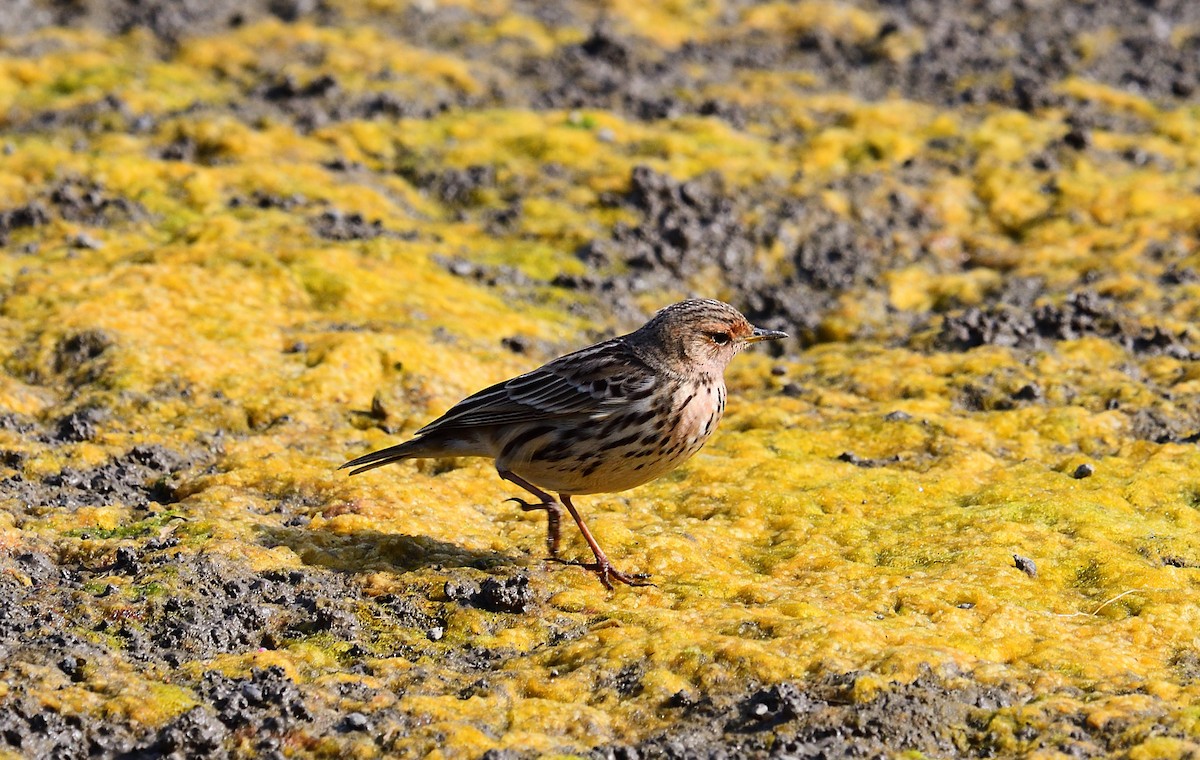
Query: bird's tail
{"points": [[399, 452]]}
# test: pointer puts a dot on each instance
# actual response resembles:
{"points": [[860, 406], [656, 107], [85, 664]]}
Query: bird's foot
{"points": [[529, 506], [607, 573]]}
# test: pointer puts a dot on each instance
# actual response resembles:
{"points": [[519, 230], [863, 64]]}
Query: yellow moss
{"points": [[238, 665], [354, 55], [106, 518], [21, 398], [531, 33], [774, 560], [85, 66], [1109, 97], [914, 289], [1164, 747], [153, 705], [853, 26], [668, 23], [758, 88]]}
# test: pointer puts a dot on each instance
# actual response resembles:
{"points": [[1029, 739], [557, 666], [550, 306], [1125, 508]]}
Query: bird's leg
{"points": [[546, 502], [602, 567]]}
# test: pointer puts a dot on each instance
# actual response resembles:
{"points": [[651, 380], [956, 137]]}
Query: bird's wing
{"points": [[592, 382]]}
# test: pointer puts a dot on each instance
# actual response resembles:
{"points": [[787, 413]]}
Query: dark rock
{"points": [[1025, 565], [79, 425]]}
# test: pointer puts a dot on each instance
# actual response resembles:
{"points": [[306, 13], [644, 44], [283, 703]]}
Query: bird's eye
{"points": [[719, 338]]}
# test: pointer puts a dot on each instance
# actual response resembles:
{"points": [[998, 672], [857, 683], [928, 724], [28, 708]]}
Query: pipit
{"points": [[603, 419]]}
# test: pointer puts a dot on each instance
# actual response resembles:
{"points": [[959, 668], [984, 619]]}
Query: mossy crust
{"points": [[244, 242]]}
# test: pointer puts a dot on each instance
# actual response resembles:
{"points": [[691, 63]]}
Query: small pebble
{"points": [[516, 344], [1077, 139], [1025, 565], [1030, 392], [356, 721], [1084, 470], [84, 240]]}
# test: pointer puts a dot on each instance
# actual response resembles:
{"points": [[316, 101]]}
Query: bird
{"points": [[603, 419]]}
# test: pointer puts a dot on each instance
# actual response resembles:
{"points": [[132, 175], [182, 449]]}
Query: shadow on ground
{"points": [[365, 550]]}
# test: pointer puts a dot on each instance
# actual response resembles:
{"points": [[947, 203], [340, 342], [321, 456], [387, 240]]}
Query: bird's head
{"points": [[699, 336]]}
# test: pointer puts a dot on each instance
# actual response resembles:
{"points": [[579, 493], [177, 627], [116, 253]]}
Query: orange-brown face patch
{"points": [[735, 328]]}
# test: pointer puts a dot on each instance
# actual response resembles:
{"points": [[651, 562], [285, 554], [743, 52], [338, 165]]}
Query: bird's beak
{"points": [[761, 334]]}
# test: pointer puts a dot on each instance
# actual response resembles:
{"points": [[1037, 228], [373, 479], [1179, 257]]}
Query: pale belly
{"points": [[609, 457], [609, 477]]}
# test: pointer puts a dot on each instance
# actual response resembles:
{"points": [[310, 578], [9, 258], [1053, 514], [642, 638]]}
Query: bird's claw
{"points": [[528, 506], [601, 567], [607, 573]]}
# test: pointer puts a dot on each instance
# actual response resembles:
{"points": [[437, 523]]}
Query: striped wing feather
{"points": [[592, 382]]}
